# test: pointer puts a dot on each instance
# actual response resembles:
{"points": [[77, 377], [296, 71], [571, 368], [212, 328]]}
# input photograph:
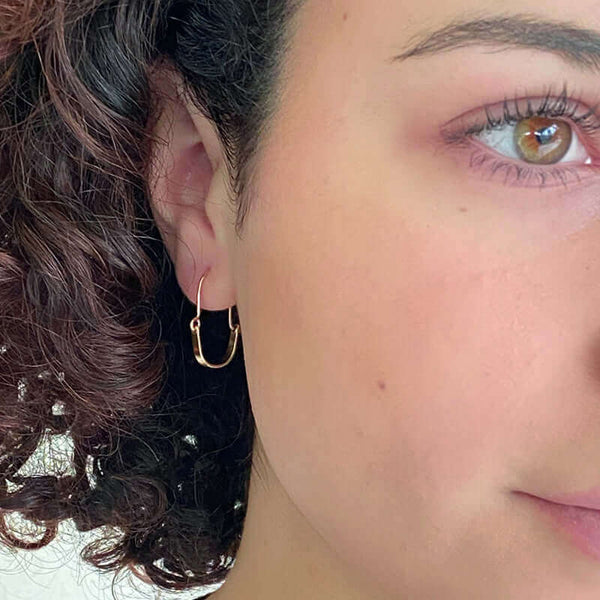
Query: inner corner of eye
{"points": [[453, 136]]}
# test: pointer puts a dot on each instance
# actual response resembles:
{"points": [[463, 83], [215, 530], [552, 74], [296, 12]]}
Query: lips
{"points": [[580, 523], [587, 499]]}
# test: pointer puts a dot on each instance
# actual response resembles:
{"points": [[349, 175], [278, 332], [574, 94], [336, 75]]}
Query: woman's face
{"points": [[421, 319]]}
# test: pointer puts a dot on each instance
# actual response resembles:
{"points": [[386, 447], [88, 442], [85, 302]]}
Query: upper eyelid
{"points": [[456, 129]]}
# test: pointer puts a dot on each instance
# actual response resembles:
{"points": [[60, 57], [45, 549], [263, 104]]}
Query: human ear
{"points": [[189, 193]]}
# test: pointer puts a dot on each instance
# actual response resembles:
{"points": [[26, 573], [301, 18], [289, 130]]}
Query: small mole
{"points": [[345, 17], [462, 208], [381, 385]]}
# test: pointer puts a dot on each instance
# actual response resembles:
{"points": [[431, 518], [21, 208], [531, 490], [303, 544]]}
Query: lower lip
{"points": [[582, 525]]}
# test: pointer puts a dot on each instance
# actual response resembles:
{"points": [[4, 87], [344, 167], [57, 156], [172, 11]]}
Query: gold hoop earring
{"points": [[195, 327]]}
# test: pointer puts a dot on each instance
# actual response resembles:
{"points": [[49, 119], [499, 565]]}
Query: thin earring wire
{"points": [[196, 341]]}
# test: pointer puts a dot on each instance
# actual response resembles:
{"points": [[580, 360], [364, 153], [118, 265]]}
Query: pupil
{"points": [[545, 135]]}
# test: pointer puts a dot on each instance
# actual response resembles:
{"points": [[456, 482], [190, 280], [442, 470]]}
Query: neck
{"points": [[281, 555]]}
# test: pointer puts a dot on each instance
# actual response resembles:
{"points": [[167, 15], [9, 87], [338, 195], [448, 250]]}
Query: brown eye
{"points": [[542, 140]]}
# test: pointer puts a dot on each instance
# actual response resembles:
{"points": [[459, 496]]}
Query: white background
{"points": [[57, 573]]}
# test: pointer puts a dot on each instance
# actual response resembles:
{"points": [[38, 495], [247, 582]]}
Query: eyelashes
{"points": [[472, 132]]}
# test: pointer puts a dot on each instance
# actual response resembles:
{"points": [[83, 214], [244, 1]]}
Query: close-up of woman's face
{"points": [[419, 296], [402, 201]]}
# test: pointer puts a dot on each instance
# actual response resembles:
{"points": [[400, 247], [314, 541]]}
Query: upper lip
{"points": [[586, 499]]}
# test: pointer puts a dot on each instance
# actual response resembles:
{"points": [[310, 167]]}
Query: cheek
{"points": [[400, 355], [403, 368], [373, 350]]}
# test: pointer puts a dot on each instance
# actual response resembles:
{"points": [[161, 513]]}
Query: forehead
{"points": [[388, 25], [343, 55], [342, 95]]}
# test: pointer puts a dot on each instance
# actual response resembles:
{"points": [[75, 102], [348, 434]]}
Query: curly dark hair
{"points": [[94, 340]]}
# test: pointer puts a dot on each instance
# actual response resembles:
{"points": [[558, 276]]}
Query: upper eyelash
{"points": [[550, 105]]}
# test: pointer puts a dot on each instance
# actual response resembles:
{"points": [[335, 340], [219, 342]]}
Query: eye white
{"points": [[502, 139]]}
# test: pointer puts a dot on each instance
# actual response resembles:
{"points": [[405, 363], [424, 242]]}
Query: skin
{"points": [[420, 340]]}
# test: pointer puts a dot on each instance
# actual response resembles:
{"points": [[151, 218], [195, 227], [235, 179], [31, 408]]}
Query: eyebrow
{"points": [[576, 45]]}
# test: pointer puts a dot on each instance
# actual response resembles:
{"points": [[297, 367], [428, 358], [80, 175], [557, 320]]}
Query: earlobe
{"points": [[185, 191]]}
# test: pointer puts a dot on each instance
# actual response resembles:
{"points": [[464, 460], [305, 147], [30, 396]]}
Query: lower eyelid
{"points": [[481, 161]]}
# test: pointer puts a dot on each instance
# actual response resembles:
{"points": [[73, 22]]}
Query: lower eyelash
{"points": [[523, 176]]}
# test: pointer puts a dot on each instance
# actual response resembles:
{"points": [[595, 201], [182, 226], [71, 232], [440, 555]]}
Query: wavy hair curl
{"points": [[93, 336]]}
